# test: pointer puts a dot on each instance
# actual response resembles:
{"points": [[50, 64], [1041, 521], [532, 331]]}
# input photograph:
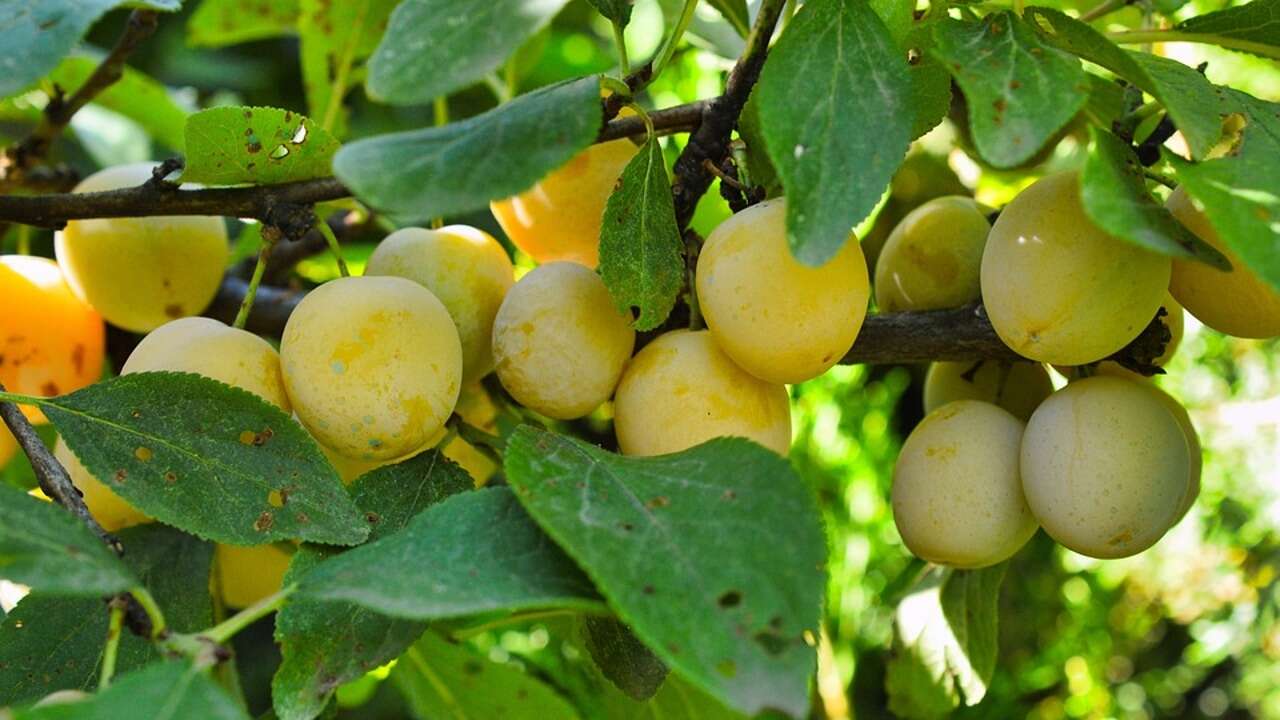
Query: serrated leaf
{"points": [[163, 691], [617, 11], [443, 679], [641, 258], [656, 535], [50, 643], [336, 38], [1241, 190], [46, 547], [135, 95], [1188, 97], [256, 145], [412, 67], [829, 102], [214, 460], [39, 34], [622, 658], [216, 23], [417, 175], [325, 644], [475, 552], [1114, 193], [945, 642], [1019, 90], [1253, 27]]}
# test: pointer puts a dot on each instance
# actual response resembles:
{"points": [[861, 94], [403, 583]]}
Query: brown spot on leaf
{"points": [[264, 522]]}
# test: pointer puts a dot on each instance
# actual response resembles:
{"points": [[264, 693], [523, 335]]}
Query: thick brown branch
{"points": [[908, 337], [53, 478], [711, 140], [58, 113]]}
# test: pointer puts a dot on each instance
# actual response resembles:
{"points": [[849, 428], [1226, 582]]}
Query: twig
{"points": [[53, 478], [710, 141], [58, 113], [115, 622], [1106, 8]]}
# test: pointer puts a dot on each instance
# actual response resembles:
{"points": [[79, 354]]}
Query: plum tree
{"points": [[1105, 467], [142, 272], [208, 347], [466, 269], [246, 575], [1017, 387], [1056, 287], [682, 390], [780, 320], [957, 494], [559, 217], [1238, 302], [933, 258], [558, 341], [373, 365], [51, 342]]}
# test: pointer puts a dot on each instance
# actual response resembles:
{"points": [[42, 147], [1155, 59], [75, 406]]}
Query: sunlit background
{"points": [[1188, 629]]}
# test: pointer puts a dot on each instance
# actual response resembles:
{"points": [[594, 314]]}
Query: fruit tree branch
{"points": [[58, 113]]}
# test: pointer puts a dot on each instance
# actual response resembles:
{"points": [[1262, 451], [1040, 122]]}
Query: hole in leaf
{"points": [[281, 152], [772, 643], [733, 598], [276, 499], [300, 136]]}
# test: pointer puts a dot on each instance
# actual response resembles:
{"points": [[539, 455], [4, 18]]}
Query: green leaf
{"points": [[945, 642], [834, 68], [216, 23], [257, 145], [623, 659], [760, 169], [135, 95], [1241, 190], [336, 38], [1253, 27], [1188, 97], [214, 460], [735, 13], [39, 34], [473, 553], [898, 17], [617, 11], [655, 533], [47, 548], [412, 67], [163, 691], [53, 643], [1114, 194], [417, 175], [325, 644], [930, 81], [442, 679], [641, 253], [1019, 90]]}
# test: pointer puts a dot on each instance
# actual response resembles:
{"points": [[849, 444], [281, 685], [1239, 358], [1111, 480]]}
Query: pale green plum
{"points": [[933, 258], [1105, 467], [466, 269], [682, 390], [1017, 387], [140, 273], [373, 365], [957, 494], [559, 343], [1057, 288]]}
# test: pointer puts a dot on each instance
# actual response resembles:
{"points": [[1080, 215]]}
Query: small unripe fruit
{"points": [[559, 218], [209, 348], [780, 320], [558, 341], [1059, 289], [249, 574], [1017, 387], [51, 342], [933, 258], [109, 509], [957, 497], [1105, 467], [1237, 303], [373, 365], [681, 390], [142, 272], [466, 269]]}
